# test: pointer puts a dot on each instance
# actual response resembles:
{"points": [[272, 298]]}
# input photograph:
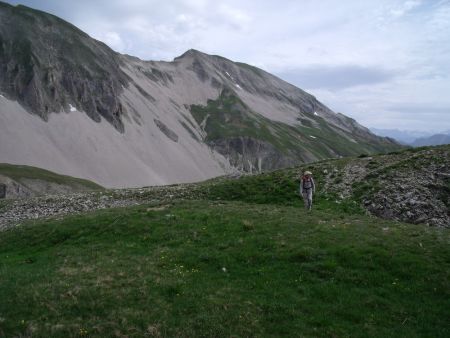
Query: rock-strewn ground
{"points": [[13, 212], [411, 186]]}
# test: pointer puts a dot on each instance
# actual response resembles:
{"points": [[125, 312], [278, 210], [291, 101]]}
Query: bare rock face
{"points": [[166, 130], [50, 66], [252, 155], [10, 188], [25, 188]]}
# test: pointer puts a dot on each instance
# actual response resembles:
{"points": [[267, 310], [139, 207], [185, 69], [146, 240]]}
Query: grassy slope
{"points": [[229, 117], [20, 172], [226, 268], [279, 186]]}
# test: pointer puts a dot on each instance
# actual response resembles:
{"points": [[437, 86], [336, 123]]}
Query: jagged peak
{"points": [[191, 53], [194, 53]]}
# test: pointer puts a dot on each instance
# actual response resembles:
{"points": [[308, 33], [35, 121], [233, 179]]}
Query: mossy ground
{"points": [[225, 265], [240, 258]]}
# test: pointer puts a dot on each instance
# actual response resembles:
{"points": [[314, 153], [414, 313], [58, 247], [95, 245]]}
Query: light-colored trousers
{"points": [[307, 198]]}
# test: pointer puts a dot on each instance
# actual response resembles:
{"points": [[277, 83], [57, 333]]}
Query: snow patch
{"points": [[228, 74], [315, 113], [1, 95], [72, 108], [312, 136], [238, 86]]}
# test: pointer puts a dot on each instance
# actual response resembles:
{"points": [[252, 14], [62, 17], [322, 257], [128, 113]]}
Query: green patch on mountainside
{"points": [[213, 268], [229, 117], [343, 143], [24, 173]]}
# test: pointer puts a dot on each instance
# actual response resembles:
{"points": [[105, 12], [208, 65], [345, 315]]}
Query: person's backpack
{"points": [[307, 182]]}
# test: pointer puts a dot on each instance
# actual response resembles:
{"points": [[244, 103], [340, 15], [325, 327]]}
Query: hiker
{"points": [[307, 188]]}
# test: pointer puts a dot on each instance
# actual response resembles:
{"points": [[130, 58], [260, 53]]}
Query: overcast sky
{"points": [[385, 63]]}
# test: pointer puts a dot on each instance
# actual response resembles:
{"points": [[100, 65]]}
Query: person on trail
{"points": [[307, 188]]}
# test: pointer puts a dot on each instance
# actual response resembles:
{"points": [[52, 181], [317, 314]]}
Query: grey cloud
{"points": [[423, 117], [421, 110], [336, 77]]}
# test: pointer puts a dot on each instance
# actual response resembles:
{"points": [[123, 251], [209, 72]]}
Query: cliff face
{"points": [[131, 122], [50, 66]]}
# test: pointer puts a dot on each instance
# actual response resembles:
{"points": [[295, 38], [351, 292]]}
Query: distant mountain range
{"points": [[70, 104], [434, 140], [415, 138]]}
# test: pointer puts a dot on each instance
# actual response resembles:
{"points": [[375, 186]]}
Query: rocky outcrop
{"points": [[32, 187], [415, 190], [412, 186], [12, 189], [166, 130], [252, 155], [25, 182], [50, 66]]}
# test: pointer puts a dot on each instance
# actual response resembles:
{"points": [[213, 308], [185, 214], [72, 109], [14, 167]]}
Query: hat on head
{"points": [[308, 173]]}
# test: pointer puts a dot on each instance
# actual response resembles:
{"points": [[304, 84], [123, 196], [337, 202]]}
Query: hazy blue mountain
{"points": [[434, 140], [402, 136]]}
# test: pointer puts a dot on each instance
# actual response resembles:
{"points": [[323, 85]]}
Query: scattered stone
{"points": [[409, 187], [19, 210]]}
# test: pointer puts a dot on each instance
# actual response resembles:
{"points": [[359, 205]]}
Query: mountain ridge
{"points": [[61, 76]]}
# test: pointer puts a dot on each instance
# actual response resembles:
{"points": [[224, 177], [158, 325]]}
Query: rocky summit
{"points": [[70, 104]]}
